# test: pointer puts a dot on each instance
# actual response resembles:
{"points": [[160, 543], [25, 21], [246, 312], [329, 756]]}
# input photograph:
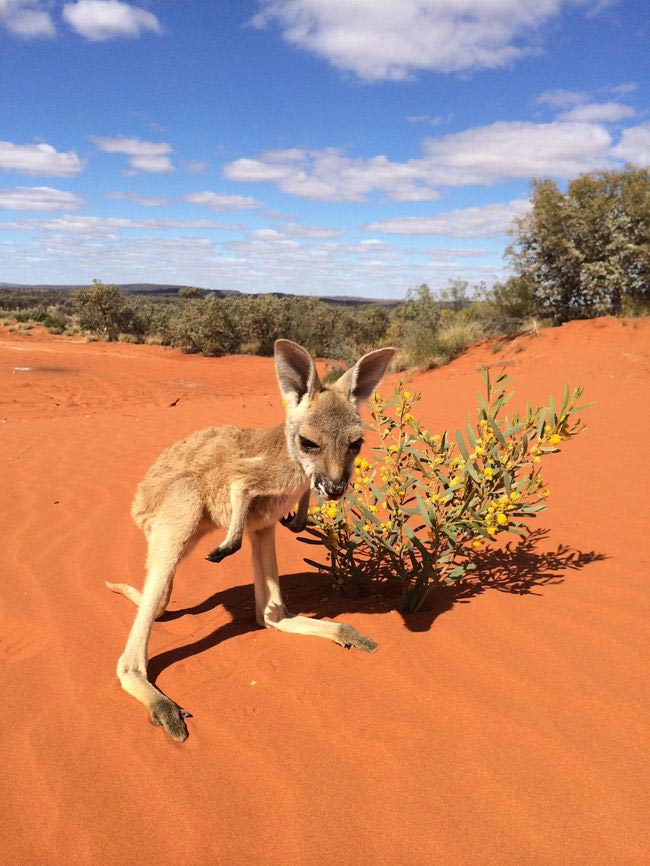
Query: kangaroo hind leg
{"points": [[171, 528], [270, 608]]}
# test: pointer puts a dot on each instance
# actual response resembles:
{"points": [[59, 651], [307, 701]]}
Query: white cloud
{"points": [[138, 199], [31, 198], [220, 202], [39, 159], [92, 226], [430, 119], [24, 18], [72, 248], [561, 98], [623, 89], [295, 230], [392, 39], [329, 175], [480, 156], [599, 112], [517, 149], [487, 221], [444, 253], [196, 166], [149, 156], [634, 145], [99, 20]]}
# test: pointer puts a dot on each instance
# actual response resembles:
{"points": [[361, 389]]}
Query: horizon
{"points": [[355, 149]]}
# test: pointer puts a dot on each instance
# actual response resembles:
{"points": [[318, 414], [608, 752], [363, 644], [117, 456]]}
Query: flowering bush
{"points": [[422, 510]]}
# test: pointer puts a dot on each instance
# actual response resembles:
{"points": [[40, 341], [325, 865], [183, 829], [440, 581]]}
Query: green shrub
{"points": [[425, 507], [101, 310]]}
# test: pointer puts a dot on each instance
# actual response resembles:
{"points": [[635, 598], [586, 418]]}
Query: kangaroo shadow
{"points": [[520, 568]]}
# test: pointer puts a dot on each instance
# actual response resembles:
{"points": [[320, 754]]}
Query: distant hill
{"points": [[126, 288], [165, 289]]}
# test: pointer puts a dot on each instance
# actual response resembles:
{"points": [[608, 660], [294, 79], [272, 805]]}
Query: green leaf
{"points": [[424, 510], [461, 445], [319, 565], [565, 401], [498, 435], [471, 471]]}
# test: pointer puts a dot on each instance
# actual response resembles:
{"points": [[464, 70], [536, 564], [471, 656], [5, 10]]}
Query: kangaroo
{"points": [[247, 480]]}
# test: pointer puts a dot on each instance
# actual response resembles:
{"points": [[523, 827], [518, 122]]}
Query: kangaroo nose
{"points": [[335, 489]]}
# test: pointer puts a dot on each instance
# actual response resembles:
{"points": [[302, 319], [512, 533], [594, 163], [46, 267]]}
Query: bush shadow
{"points": [[519, 568]]}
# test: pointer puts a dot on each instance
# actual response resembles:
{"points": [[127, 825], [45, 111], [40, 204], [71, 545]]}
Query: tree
{"points": [[586, 252], [414, 326], [456, 294], [101, 309]]}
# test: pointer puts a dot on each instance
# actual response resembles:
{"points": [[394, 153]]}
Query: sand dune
{"points": [[499, 728]]}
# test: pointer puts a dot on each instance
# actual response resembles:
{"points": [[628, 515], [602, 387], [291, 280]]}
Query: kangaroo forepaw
{"points": [[350, 637], [291, 522], [223, 551], [171, 717]]}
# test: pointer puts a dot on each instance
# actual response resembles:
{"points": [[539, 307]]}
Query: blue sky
{"points": [[341, 147]]}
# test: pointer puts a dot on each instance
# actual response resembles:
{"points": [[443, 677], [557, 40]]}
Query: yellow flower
{"points": [[492, 530], [514, 496], [436, 437], [367, 527], [407, 395], [555, 439], [502, 520], [477, 543], [537, 459], [546, 492], [393, 448], [364, 464], [489, 518], [372, 508], [357, 461], [408, 418], [488, 472], [331, 511]]}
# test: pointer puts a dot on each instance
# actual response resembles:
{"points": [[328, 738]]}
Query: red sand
{"points": [[505, 729]]}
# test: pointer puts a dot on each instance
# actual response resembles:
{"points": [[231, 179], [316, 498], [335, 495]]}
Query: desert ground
{"points": [[501, 727]]}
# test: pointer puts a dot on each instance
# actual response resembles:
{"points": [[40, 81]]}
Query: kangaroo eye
{"points": [[355, 446], [308, 445]]}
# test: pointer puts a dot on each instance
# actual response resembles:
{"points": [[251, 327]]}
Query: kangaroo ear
{"points": [[296, 371], [360, 381]]}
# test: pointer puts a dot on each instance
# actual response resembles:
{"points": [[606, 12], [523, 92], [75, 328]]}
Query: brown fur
{"points": [[245, 479]]}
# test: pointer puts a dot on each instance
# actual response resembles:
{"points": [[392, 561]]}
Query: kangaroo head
{"points": [[323, 426]]}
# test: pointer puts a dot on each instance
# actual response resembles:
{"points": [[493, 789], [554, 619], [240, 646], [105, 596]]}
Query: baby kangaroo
{"points": [[243, 479]]}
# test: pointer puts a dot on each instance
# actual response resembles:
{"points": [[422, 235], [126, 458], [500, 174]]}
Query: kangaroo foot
{"points": [[349, 637], [171, 717]]}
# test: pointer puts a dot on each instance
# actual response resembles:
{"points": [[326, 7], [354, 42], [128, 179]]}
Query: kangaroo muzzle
{"points": [[330, 489]]}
